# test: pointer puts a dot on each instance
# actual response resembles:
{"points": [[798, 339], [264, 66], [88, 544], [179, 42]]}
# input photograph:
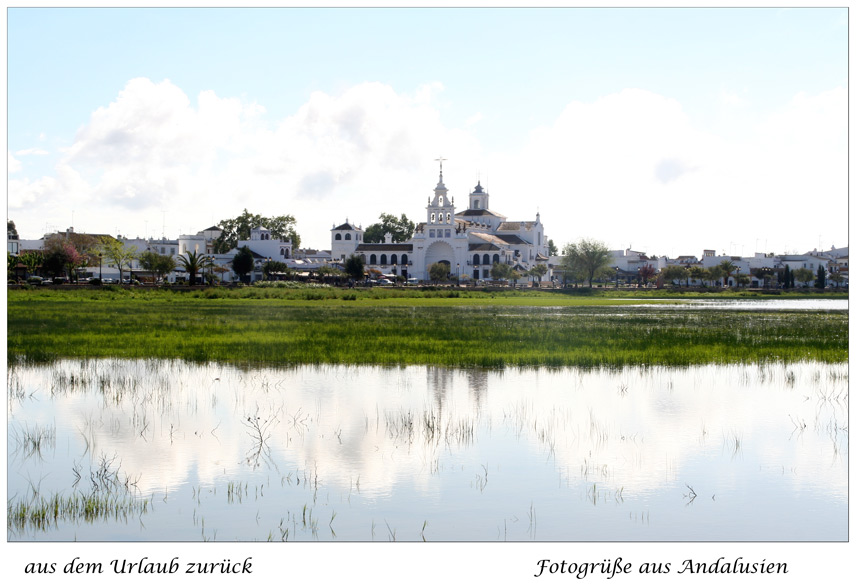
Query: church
{"points": [[469, 242]]}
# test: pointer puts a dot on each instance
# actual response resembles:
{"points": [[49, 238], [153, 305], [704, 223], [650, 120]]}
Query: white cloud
{"points": [[13, 165], [628, 167], [32, 151]]}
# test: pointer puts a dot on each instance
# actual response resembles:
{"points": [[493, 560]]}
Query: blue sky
{"points": [[671, 130]]}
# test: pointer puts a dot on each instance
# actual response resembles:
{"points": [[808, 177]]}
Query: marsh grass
{"points": [[392, 328]]}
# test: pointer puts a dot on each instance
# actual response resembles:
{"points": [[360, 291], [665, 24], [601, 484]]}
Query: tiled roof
{"points": [[479, 212], [516, 225], [483, 247], [344, 226], [511, 239]]}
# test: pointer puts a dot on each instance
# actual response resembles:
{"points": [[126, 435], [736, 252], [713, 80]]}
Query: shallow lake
{"points": [[183, 452]]}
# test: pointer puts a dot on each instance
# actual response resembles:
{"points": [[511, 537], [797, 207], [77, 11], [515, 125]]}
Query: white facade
{"points": [[468, 241]]}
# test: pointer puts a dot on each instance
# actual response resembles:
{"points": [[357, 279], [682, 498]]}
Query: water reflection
{"points": [[412, 453]]}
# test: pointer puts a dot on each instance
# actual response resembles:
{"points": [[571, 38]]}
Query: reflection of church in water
{"points": [[469, 241]]}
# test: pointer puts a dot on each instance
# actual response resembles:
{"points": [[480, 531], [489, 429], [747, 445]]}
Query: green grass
{"points": [[442, 327]]}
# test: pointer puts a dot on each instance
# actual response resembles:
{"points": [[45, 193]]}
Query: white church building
{"points": [[468, 241]]}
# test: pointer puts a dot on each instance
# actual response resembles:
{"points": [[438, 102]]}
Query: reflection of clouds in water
{"points": [[375, 430]]}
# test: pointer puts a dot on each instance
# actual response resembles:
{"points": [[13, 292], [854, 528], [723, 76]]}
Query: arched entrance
{"points": [[439, 252]]}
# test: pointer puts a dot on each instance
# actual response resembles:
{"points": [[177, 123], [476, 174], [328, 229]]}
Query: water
{"points": [[709, 453], [758, 304]]}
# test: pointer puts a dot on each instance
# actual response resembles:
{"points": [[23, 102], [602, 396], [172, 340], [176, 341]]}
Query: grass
{"points": [[397, 327]]}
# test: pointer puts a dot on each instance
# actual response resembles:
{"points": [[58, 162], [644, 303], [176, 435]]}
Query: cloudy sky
{"points": [[668, 130]]}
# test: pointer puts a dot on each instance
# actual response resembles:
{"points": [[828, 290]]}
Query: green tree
{"points": [[552, 250], [117, 254], [194, 263], [787, 277], [675, 272], [820, 279], [274, 269], [438, 271], [243, 263], [282, 227], [11, 264], [401, 229], [11, 230], [714, 273], [587, 256], [538, 271], [697, 273], [160, 264], [728, 268], [742, 279], [355, 268], [501, 271], [803, 275], [836, 277]]}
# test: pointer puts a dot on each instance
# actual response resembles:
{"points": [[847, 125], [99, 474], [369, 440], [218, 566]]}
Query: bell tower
{"points": [[440, 211]]}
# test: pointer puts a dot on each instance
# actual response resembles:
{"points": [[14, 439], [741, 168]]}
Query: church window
{"points": [[448, 233], [539, 238], [433, 217], [486, 259], [363, 258], [441, 200], [383, 259], [347, 236], [476, 259], [430, 233], [477, 204], [496, 258], [282, 251], [338, 236], [448, 218], [372, 259], [394, 259], [404, 258]]}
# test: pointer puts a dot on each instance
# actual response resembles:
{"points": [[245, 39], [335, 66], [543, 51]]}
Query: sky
{"points": [[666, 130]]}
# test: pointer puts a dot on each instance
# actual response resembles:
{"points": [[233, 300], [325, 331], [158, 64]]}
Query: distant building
{"points": [[469, 241]]}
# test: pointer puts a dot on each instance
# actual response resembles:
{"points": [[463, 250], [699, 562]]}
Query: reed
{"points": [[474, 331]]}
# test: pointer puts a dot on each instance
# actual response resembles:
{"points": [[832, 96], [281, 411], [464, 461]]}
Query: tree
{"points": [[538, 271], [743, 279], [11, 264], [194, 263], [11, 230], [675, 272], [820, 280], [160, 264], [276, 268], [646, 273], [786, 278], [355, 268], [587, 256], [282, 227], [836, 278], [803, 275], [243, 263], [438, 271], [400, 228], [697, 273], [117, 254], [552, 250], [714, 273], [728, 268]]}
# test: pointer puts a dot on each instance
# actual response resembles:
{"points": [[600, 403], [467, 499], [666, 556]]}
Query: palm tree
{"points": [[193, 263], [728, 268]]}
